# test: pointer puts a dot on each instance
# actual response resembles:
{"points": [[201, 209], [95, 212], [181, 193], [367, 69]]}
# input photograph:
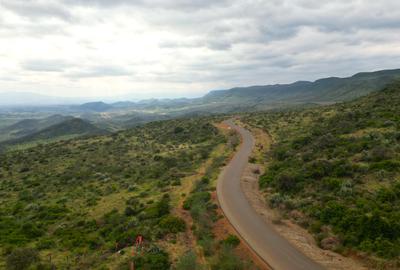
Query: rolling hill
{"points": [[125, 114], [28, 126], [326, 90], [95, 106], [335, 170], [85, 200], [70, 128], [322, 91]]}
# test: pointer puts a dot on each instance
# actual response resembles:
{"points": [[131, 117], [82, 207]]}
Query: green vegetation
{"points": [[327, 90], [68, 129], [188, 262], [220, 255], [76, 203], [126, 114], [11, 128], [340, 166], [231, 240]]}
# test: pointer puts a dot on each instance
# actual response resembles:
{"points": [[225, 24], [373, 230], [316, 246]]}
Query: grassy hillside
{"points": [[340, 167], [321, 91], [29, 126], [73, 127], [126, 114], [76, 203]]}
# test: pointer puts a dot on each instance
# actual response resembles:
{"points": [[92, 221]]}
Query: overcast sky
{"points": [[171, 48]]}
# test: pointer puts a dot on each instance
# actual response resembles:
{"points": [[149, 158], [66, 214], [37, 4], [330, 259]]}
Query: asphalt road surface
{"points": [[270, 246]]}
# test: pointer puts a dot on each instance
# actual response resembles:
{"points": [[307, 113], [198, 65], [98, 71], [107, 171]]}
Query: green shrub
{"points": [[227, 260], [172, 224], [22, 258], [153, 260], [231, 241], [188, 262], [195, 199]]}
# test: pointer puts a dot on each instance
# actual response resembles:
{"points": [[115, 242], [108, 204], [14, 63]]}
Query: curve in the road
{"points": [[269, 245]]}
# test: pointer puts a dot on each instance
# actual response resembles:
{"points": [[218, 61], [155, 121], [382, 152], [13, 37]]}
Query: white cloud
{"points": [[185, 48]]}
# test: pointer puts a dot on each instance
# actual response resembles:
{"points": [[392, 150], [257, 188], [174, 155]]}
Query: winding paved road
{"points": [[271, 247]]}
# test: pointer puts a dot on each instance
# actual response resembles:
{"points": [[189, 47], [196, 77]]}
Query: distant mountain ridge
{"points": [[124, 114], [29, 126], [98, 106], [69, 127], [331, 89], [326, 90], [72, 127]]}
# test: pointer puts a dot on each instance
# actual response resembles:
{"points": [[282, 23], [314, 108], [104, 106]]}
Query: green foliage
{"points": [[155, 260], [68, 196], [231, 241], [173, 224], [340, 165], [198, 198], [22, 258], [188, 262], [52, 130], [228, 260]]}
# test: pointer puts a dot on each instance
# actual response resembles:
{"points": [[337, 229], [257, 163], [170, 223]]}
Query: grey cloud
{"points": [[37, 9], [99, 71], [31, 30], [154, 4], [40, 65], [238, 41], [173, 44]]}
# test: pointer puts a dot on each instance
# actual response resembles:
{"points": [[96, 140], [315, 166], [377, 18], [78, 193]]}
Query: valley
{"points": [[199, 135], [126, 114], [76, 189]]}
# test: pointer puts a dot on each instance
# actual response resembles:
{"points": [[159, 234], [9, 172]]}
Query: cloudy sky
{"points": [[171, 48]]}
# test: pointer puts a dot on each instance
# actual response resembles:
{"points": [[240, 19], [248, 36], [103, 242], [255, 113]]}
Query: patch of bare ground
{"points": [[295, 234]]}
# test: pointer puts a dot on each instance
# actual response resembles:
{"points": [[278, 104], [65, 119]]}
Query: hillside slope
{"points": [[340, 166], [85, 200], [29, 126], [95, 106], [321, 91], [72, 127]]}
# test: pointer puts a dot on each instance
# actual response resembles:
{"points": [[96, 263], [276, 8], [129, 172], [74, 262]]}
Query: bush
{"points": [[231, 241], [387, 165], [331, 183], [45, 244], [129, 211], [188, 262], [288, 181], [227, 260], [195, 199], [153, 260], [332, 212], [22, 258], [30, 230], [172, 224]]}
